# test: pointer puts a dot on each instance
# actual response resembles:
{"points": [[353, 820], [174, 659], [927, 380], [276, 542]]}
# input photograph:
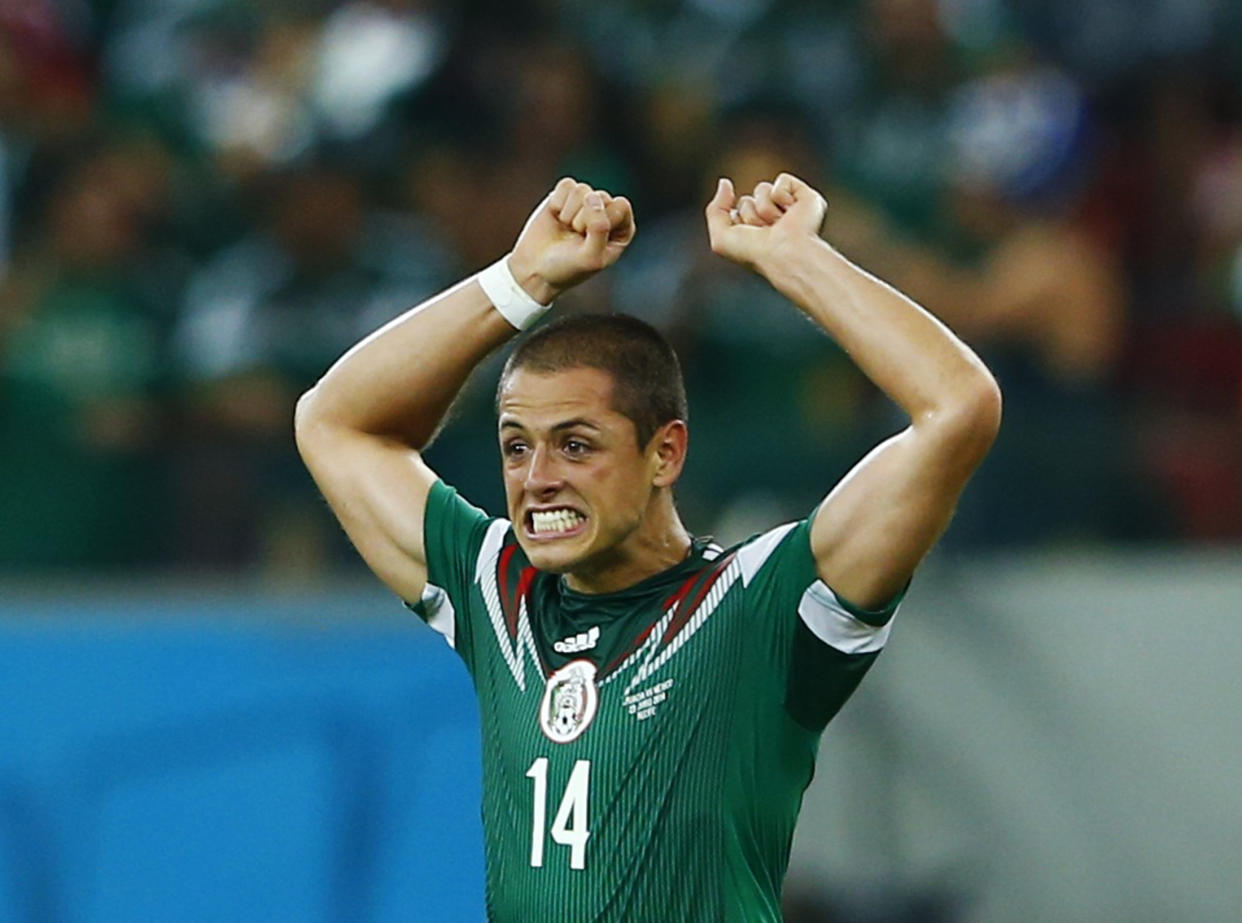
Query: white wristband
{"points": [[510, 299]]}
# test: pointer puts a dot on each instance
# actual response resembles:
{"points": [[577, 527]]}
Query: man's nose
{"points": [[542, 476]]}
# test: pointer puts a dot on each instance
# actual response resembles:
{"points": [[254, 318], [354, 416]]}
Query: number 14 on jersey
{"points": [[569, 826]]}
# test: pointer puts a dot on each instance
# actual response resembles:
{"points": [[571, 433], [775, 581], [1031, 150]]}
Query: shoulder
{"points": [[463, 542], [787, 545]]}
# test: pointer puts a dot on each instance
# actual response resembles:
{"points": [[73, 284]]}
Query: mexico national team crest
{"points": [[569, 702]]}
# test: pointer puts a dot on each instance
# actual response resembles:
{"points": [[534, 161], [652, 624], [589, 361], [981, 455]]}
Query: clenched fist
{"points": [[749, 229], [573, 234]]}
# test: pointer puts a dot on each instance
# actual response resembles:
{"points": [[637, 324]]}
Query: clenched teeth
{"points": [[555, 520]]}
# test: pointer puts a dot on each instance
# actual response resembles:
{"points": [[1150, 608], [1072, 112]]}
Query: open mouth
{"points": [[558, 522]]}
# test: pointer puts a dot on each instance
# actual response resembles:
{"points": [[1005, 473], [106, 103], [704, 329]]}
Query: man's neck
{"points": [[661, 543]]}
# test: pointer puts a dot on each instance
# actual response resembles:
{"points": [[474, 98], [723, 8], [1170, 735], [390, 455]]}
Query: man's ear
{"points": [[668, 452]]}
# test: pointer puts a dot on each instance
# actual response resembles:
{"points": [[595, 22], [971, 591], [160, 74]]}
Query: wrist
{"points": [[782, 261], [535, 285], [790, 267], [511, 299]]}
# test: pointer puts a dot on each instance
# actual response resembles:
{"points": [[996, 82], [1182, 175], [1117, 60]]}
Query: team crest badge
{"points": [[569, 702]]}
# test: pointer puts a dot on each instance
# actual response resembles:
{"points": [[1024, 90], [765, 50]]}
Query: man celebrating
{"points": [[651, 703]]}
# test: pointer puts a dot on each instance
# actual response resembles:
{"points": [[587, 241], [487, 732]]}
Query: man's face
{"points": [[576, 482]]}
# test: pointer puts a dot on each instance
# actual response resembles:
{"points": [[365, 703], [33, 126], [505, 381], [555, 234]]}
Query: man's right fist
{"points": [[573, 234]]}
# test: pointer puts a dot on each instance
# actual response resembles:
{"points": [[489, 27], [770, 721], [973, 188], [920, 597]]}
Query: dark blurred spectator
{"points": [[547, 120], [1183, 365], [553, 115], [46, 100], [890, 144], [260, 323], [82, 379], [1042, 296], [1108, 40]]}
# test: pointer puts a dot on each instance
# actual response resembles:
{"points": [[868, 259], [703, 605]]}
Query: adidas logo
{"points": [[583, 641]]}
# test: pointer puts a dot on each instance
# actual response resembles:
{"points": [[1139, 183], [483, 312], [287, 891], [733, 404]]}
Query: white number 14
{"points": [[569, 827]]}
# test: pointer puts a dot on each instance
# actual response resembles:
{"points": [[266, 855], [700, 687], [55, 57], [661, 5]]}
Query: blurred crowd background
{"points": [[204, 202]]}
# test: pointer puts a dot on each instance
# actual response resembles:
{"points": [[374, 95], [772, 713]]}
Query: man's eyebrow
{"points": [[557, 428], [575, 422]]}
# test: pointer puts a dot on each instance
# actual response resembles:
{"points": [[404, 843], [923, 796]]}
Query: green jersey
{"points": [[645, 751]]}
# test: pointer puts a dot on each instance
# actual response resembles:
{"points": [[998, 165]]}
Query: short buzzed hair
{"points": [[647, 382]]}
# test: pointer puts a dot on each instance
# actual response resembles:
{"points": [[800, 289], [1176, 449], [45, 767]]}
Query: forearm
{"points": [[400, 381], [905, 351]]}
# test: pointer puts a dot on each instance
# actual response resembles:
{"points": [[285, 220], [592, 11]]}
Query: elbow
{"points": [[305, 419], [987, 406], [968, 425], [978, 416]]}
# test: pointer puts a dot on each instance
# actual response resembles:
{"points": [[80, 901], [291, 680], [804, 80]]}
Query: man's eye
{"points": [[514, 449], [576, 447]]}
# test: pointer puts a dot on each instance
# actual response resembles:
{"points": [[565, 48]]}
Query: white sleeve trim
{"points": [[753, 555], [822, 612], [438, 611]]}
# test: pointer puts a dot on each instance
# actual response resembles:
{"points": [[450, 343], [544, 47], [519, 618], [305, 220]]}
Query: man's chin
{"points": [[548, 557]]}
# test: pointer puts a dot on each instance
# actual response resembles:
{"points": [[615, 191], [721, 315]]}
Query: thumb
{"points": [[719, 208], [597, 224]]}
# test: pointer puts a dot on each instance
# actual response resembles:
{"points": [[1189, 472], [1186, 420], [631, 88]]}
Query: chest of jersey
{"points": [[603, 683], [595, 729]]}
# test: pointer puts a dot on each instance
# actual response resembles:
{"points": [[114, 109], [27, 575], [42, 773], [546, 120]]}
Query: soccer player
{"points": [[651, 704]]}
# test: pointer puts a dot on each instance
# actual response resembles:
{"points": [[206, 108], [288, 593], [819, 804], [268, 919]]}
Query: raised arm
{"points": [[882, 518], [362, 428]]}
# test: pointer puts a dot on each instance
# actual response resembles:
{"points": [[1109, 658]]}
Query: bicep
{"points": [[876, 525], [378, 489]]}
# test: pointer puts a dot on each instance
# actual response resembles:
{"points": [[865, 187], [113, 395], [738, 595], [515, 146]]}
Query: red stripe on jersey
{"points": [[525, 579], [524, 582], [642, 636], [680, 618], [681, 592], [507, 602], [686, 610], [634, 645]]}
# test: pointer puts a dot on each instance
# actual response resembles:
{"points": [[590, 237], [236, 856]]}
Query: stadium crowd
{"points": [[204, 202]]}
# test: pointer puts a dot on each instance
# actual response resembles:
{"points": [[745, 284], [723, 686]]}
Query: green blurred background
{"points": [[204, 202]]}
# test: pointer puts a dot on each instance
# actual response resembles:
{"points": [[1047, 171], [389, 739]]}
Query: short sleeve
{"points": [[824, 644], [453, 535]]}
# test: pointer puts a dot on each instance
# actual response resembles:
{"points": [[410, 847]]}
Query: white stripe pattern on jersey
{"points": [[488, 582], [745, 565], [652, 663], [644, 650], [822, 612], [526, 638]]}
